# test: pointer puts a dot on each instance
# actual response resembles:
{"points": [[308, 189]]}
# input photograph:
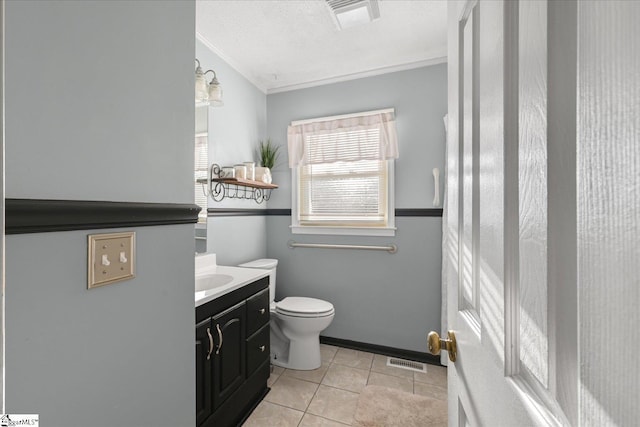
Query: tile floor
{"points": [[328, 396]]}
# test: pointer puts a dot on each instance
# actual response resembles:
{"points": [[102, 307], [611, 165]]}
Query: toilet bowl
{"points": [[296, 323]]}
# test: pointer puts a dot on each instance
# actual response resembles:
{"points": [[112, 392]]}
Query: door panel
{"points": [[501, 211], [468, 289], [546, 233], [532, 178], [608, 226]]}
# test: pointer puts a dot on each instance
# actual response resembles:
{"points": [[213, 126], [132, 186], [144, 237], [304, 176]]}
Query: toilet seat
{"points": [[304, 307]]}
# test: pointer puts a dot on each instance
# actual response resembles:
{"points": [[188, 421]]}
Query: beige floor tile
{"points": [[380, 365], [291, 393], [314, 421], [435, 375], [343, 375], [276, 371], [346, 378], [430, 390], [314, 376], [269, 414], [353, 358], [272, 379], [404, 384], [327, 352], [334, 404]]}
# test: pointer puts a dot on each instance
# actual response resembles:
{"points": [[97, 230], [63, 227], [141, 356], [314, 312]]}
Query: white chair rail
{"points": [[392, 249]]}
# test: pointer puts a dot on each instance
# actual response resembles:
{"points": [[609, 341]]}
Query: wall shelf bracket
{"points": [[236, 188]]}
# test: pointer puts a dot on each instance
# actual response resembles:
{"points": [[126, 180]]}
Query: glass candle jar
{"points": [[227, 172], [251, 170], [241, 171]]}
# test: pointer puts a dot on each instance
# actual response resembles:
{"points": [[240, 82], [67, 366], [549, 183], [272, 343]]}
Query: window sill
{"points": [[344, 231]]}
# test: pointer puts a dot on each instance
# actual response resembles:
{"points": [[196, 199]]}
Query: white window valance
{"points": [[363, 136]]}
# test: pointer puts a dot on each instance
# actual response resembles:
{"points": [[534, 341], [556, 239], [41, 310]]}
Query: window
{"points": [[201, 172], [342, 174]]}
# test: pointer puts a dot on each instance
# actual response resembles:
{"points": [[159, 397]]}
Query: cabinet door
{"points": [[230, 352], [204, 385]]}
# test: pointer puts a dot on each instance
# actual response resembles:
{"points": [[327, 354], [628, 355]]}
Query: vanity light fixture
{"points": [[207, 93]]}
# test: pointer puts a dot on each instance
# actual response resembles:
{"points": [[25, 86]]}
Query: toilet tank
{"points": [[266, 264]]}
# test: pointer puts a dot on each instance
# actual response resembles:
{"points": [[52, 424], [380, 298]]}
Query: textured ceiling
{"points": [[283, 44]]}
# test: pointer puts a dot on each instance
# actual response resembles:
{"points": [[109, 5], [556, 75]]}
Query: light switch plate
{"points": [[111, 258]]}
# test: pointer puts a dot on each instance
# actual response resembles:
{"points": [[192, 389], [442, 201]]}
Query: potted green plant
{"points": [[268, 153], [267, 157]]}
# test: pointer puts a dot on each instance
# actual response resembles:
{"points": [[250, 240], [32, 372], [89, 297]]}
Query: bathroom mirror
{"points": [[201, 171]]}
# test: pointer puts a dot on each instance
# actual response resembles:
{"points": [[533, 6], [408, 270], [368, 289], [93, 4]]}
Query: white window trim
{"points": [[389, 230]]}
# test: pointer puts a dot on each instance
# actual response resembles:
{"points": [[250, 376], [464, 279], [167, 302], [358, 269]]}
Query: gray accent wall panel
{"points": [[95, 100], [236, 240], [79, 356], [420, 99], [99, 106], [380, 298], [236, 128], [383, 299], [234, 132]]}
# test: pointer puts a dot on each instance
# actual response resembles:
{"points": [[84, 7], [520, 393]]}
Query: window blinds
{"points": [[201, 171], [342, 168], [340, 193]]}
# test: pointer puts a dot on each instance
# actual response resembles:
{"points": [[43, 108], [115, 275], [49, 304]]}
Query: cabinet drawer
{"points": [[258, 349], [257, 311]]}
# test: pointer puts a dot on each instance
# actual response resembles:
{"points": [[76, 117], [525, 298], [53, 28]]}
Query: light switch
{"points": [[111, 258]]}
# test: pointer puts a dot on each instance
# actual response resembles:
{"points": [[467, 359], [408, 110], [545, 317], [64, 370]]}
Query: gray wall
{"points": [[99, 107], [235, 130], [384, 299]]}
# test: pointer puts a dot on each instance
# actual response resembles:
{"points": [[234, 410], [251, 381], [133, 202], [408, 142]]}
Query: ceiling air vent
{"points": [[348, 13]]}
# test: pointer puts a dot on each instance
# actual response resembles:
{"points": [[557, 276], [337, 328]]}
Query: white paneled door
{"points": [[543, 212]]}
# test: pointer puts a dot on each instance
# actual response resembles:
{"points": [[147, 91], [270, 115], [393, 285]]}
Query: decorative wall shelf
{"points": [[236, 188]]}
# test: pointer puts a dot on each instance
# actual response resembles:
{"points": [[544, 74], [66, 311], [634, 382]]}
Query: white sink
{"points": [[212, 281]]}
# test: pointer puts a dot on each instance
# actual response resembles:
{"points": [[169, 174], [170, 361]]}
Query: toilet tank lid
{"points": [[266, 263]]}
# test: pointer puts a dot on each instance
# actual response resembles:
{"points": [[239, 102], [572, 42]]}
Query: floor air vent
{"points": [[409, 365]]}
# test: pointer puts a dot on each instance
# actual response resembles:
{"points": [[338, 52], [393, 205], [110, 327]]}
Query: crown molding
{"points": [[226, 58], [359, 75], [305, 85]]}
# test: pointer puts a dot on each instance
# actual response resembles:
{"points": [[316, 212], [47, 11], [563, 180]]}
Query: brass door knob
{"points": [[435, 344]]}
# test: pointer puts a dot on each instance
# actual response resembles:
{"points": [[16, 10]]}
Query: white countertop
{"points": [[240, 277]]}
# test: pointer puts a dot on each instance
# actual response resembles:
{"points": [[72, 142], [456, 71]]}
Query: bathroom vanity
{"points": [[232, 346]]}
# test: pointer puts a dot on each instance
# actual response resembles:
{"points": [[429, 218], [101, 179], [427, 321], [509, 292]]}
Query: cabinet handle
{"points": [[262, 348], [262, 311], [210, 344], [220, 338]]}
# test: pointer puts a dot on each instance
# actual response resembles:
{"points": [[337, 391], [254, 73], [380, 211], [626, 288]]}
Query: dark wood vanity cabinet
{"points": [[232, 355], [204, 384]]}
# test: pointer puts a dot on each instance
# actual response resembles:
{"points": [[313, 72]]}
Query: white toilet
{"points": [[296, 323]]}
